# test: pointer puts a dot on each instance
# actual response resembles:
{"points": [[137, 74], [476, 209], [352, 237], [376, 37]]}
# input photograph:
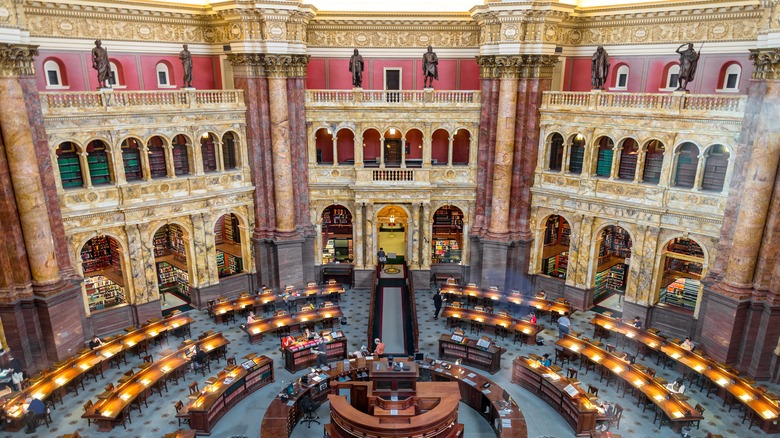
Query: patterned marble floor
{"points": [[245, 418]]}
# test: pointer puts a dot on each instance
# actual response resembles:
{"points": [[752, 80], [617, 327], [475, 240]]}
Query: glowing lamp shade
{"points": [[526, 331], [494, 297], [256, 331], [165, 369], [617, 369], [607, 326], [676, 355], [722, 382], [279, 324], [630, 334], [60, 381], [130, 343], [595, 358], [153, 334], [698, 368], [107, 413], [175, 324], [456, 315], [677, 414], [768, 414], [125, 396], [638, 383], [745, 397], [538, 306], [480, 320], [574, 347], [658, 397], [327, 315], [84, 366]]}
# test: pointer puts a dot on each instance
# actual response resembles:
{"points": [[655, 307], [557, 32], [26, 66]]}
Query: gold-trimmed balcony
{"points": [[427, 98], [71, 103]]}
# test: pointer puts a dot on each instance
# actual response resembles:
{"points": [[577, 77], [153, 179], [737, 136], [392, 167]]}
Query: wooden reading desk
{"points": [[487, 296], [679, 412], [257, 329], [108, 411], [494, 320]]}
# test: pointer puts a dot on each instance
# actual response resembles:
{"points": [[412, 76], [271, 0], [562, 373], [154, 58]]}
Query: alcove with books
{"points": [[613, 261], [170, 257], [447, 235], [555, 252], [227, 237], [101, 263], [682, 263]]}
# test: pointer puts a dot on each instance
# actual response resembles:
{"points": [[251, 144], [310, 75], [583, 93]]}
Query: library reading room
{"points": [[439, 219]]}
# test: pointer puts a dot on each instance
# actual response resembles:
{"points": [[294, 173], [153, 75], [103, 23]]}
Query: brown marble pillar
{"points": [[505, 142], [25, 175], [487, 138]]}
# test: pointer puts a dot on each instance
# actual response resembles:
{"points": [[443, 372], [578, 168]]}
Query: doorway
{"points": [[392, 228], [392, 82], [393, 152]]}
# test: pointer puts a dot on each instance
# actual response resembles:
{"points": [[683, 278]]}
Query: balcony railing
{"points": [[391, 97], [684, 104], [60, 102], [393, 175]]}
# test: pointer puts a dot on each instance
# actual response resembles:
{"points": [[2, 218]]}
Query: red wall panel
{"points": [[71, 69], [340, 77], [315, 74], [469, 74]]}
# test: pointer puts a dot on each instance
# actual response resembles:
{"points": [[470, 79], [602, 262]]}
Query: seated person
{"points": [[363, 352], [287, 341], [541, 294], [546, 361], [35, 408], [251, 318], [450, 280], [95, 342], [380, 347], [199, 360], [625, 357], [688, 344], [532, 318], [637, 322], [677, 386], [605, 410]]}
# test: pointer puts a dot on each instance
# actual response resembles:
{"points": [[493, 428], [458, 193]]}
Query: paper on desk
{"points": [[470, 382], [472, 375], [486, 391], [291, 403], [506, 423]]}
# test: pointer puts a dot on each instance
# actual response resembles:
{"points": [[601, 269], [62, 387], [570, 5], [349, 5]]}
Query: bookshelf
{"points": [[446, 251], [604, 163], [447, 221], [653, 164], [488, 359], [627, 168], [181, 165], [69, 165], [103, 292], [685, 174], [131, 160], [209, 155], [600, 287], [228, 264], [715, 168], [683, 292], [616, 277], [300, 356], [577, 156], [686, 247], [157, 162], [98, 167]]}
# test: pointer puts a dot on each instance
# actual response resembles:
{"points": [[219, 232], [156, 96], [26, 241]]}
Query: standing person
{"points": [[689, 59], [356, 66], [17, 374], [100, 63], [381, 257], [322, 353], [564, 325], [186, 64], [599, 68], [430, 66], [437, 300]]}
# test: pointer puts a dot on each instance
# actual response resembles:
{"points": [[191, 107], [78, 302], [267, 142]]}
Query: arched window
{"points": [[181, 159], [715, 165], [371, 148], [163, 76], [157, 158], [101, 262], [556, 152], [628, 159], [114, 78], [461, 142], [621, 78], [654, 160], [100, 171], [687, 162], [672, 77], [53, 74], [414, 141], [227, 237], [69, 165], [731, 76], [208, 152], [440, 143], [324, 144], [337, 236], [345, 146], [604, 158], [229, 158], [577, 154], [131, 159], [555, 253]]}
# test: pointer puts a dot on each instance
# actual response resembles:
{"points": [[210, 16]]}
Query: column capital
{"points": [[17, 60], [766, 63], [282, 66], [524, 66]]}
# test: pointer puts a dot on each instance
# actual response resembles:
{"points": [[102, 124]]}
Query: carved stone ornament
{"points": [[525, 66], [267, 65], [17, 60], [766, 63]]}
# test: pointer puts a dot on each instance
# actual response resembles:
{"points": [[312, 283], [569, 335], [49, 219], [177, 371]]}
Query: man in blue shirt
{"points": [[35, 409], [564, 325], [637, 322]]}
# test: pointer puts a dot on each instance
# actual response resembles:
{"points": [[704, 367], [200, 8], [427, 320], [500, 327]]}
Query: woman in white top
{"points": [[687, 344]]}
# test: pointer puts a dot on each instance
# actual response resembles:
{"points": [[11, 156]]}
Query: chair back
{"points": [[194, 388], [699, 408], [110, 387], [129, 372], [178, 405], [593, 390], [87, 405]]}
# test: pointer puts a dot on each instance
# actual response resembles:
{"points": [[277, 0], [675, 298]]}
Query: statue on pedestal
{"points": [[186, 64], [599, 68], [356, 66], [101, 64], [689, 59], [430, 68]]}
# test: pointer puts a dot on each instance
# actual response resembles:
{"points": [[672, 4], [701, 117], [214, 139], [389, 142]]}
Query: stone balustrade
{"points": [[703, 105], [409, 177], [62, 103], [418, 98]]}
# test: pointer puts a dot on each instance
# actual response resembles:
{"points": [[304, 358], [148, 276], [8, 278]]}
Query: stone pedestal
{"points": [[581, 299], [722, 320], [289, 254], [60, 323], [144, 312], [494, 264]]}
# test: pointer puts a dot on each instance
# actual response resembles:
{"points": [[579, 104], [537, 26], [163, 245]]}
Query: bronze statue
{"points": [[101, 64], [688, 61], [599, 68], [430, 68], [356, 66], [186, 64]]}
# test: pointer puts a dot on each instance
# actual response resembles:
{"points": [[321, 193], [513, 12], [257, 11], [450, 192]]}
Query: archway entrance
{"points": [[337, 243], [447, 235], [104, 283], [170, 257], [682, 261], [614, 257], [555, 254], [392, 229]]}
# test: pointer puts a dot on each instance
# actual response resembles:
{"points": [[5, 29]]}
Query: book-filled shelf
{"points": [[227, 237], [479, 353], [555, 255], [683, 292], [446, 251], [101, 262], [98, 167], [70, 168], [301, 355]]}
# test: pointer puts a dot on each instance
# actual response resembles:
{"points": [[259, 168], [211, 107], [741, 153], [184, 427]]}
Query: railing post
{"points": [[594, 99], [190, 98], [678, 101]]}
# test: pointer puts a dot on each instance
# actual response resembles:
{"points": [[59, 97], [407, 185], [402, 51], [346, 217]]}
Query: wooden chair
{"points": [[660, 415], [700, 409], [161, 384], [194, 388], [587, 363], [611, 348], [229, 317], [136, 402], [593, 392], [572, 374], [562, 356], [86, 406], [178, 406], [231, 360], [750, 415], [124, 417], [614, 419], [127, 376], [607, 373]]}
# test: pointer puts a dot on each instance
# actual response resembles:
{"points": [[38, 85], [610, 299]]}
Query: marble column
{"points": [[428, 233], [565, 160], [23, 167], [86, 175], [417, 230], [217, 153], [284, 198], [426, 144], [197, 249], [697, 180], [639, 172], [489, 86], [170, 170], [370, 232], [359, 150], [505, 143], [357, 227]]}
